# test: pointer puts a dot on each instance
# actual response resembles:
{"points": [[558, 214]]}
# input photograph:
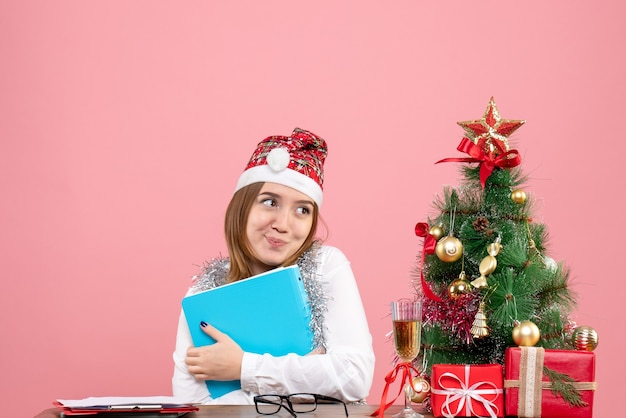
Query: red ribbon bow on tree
{"points": [[423, 230], [487, 162]]}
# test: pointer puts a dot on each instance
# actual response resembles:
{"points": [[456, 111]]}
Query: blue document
{"points": [[267, 313]]}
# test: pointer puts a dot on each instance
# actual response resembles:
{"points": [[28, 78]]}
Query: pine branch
{"points": [[562, 386], [552, 328], [514, 252], [512, 299], [557, 291], [439, 348]]}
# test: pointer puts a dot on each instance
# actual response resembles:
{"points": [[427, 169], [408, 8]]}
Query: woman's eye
{"points": [[304, 211], [269, 202]]}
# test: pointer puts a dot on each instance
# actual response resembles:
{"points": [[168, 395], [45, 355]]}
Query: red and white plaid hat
{"points": [[296, 161]]}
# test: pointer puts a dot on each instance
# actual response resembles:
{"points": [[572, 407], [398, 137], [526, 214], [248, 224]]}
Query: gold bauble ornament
{"points": [[526, 334], [459, 286], [436, 231], [420, 384], [518, 196], [585, 338], [449, 249]]}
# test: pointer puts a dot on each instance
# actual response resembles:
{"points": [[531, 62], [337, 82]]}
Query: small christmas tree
{"points": [[483, 274]]}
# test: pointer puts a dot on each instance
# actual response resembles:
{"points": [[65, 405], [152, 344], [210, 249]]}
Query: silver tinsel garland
{"points": [[214, 272]]}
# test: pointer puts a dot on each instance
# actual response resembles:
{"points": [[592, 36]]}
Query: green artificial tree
{"points": [[483, 274]]}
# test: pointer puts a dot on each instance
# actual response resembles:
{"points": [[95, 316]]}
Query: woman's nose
{"points": [[281, 219]]}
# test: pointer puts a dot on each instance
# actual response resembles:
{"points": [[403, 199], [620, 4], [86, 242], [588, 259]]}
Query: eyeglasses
{"points": [[295, 403]]}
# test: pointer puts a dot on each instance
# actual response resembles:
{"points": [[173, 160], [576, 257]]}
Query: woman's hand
{"points": [[318, 350], [219, 361]]}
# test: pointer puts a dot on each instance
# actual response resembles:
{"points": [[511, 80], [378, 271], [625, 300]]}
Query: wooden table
{"points": [[248, 411]]}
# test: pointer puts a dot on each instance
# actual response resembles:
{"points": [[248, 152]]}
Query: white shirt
{"points": [[344, 372]]}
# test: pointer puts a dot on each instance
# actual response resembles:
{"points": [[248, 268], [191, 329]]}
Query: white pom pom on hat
{"points": [[296, 161], [278, 159]]}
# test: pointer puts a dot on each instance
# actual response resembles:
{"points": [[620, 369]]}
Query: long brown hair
{"points": [[235, 222]]}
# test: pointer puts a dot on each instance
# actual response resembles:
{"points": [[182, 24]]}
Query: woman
{"points": [[271, 221]]}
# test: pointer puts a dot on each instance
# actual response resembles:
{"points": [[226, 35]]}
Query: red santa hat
{"points": [[296, 161]]}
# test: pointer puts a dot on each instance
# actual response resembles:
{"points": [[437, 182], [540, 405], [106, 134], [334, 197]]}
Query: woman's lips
{"points": [[275, 242]]}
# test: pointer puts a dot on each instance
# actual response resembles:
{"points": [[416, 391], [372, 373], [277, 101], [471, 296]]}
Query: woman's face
{"points": [[279, 222]]}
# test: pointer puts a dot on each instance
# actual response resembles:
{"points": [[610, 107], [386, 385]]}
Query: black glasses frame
{"points": [[264, 399]]}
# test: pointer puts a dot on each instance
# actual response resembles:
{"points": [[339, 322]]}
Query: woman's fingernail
{"points": [[203, 324]]}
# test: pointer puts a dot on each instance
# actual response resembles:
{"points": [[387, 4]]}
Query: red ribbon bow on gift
{"points": [[422, 230], [389, 379], [487, 163]]}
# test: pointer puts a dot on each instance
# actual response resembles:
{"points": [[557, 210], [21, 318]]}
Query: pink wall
{"points": [[124, 125]]}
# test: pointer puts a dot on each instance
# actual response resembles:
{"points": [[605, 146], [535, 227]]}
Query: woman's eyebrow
{"points": [[278, 196], [305, 202]]}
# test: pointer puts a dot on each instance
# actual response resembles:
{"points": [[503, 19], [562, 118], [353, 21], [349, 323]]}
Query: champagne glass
{"points": [[407, 327]]}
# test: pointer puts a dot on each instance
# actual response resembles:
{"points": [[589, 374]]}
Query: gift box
{"points": [[528, 391], [463, 390]]}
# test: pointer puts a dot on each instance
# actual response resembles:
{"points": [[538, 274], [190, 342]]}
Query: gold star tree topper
{"points": [[491, 133]]}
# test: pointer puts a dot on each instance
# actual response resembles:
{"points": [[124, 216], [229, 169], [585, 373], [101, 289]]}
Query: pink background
{"points": [[124, 125]]}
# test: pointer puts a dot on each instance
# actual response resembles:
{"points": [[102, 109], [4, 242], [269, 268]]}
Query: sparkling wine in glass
{"points": [[407, 329]]}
